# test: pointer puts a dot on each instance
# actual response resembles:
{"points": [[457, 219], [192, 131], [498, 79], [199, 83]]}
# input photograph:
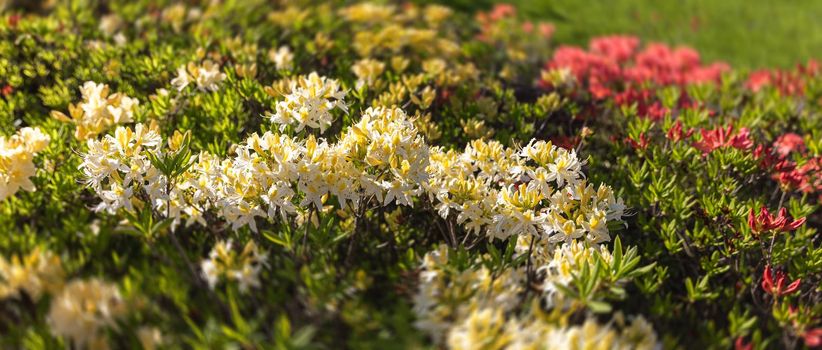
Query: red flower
{"points": [[612, 63], [777, 289], [758, 79], [13, 20], [740, 344], [811, 173], [790, 179], [675, 132], [766, 222], [722, 137], [616, 47], [642, 144], [766, 156], [788, 143], [813, 337]]}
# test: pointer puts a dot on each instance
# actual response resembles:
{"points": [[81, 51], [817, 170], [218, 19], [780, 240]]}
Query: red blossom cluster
{"points": [[788, 83], [676, 134], [787, 143], [777, 159], [612, 63], [777, 288], [723, 137], [642, 143], [765, 221]]}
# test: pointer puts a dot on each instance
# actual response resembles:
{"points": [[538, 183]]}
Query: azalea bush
{"points": [[310, 174]]}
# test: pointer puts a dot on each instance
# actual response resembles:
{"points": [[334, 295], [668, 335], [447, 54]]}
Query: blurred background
{"points": [[748, 34], [745, 33]]}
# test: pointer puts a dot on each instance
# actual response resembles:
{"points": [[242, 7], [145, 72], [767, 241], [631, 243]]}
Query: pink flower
{"points": [[758, 79], [813, 337], [619, 48], [612, 63], [789, 142]]}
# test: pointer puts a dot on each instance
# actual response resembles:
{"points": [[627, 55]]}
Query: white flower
{"points": [[115, 198], [182, 80], [209, 76], [206, 76], [82, 311], [367, 71], [283, 58], [98, 111], [244, 268], [17, 160]]}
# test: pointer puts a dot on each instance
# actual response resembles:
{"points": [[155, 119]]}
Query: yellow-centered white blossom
{"points": [[98, 111], [17, 160]]}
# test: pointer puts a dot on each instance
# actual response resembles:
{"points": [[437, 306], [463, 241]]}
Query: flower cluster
{"points": [[614, 60], [539, 197], [309, 103], [778, 288], [118, 164], [36, 273], [205, 76], [384, 30], [475, 308], [765, 221], [787, 82], [381, 156], [367, 71], [243, 267], [443, 292], [98, 111], [780, 159], [83, 310], [613, 68], [538, 191], [17, 160], [723, 137], [79, 311], [556, 270]]}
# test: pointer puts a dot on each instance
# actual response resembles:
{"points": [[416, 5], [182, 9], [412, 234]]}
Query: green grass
{"points": [[747, 34]]}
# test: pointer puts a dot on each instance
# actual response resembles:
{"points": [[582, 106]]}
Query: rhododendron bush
{"points": [[220, 174]]}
